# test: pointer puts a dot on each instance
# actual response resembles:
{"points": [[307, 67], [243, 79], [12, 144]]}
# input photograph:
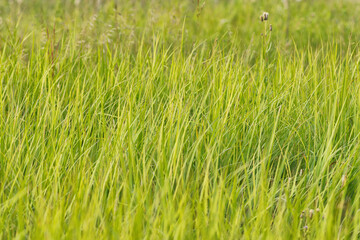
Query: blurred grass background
{"points": [[125, 23]]}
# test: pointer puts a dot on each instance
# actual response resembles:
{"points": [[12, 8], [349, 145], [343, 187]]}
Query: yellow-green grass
{"points": [[177, 120]]}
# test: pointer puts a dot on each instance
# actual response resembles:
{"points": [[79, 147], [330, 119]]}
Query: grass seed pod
{"points": [[266, 16]]}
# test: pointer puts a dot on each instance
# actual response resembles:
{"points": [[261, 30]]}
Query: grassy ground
{"points": [[178, 120]]}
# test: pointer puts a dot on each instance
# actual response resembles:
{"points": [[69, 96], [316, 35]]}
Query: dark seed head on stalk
{"points": [[262, 18], [311, 213], [266, 16]]}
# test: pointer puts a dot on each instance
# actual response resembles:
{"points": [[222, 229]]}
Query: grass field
{"points": [[179, 119]]}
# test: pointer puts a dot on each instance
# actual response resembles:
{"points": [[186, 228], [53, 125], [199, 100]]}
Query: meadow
{"points": [[179, 119]]}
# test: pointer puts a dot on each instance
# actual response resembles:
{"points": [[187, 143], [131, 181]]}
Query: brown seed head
{"points": [[262, 18], [311, 213], [266, 16]]}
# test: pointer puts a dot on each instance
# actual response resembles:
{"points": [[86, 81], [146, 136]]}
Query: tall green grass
{"points": [[165, 120]]}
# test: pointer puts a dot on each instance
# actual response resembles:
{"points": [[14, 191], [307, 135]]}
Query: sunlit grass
{"points": [[172, 120]]}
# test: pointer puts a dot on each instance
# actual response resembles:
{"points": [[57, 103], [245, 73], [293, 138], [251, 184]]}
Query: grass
{"points": [[173, 120]]}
